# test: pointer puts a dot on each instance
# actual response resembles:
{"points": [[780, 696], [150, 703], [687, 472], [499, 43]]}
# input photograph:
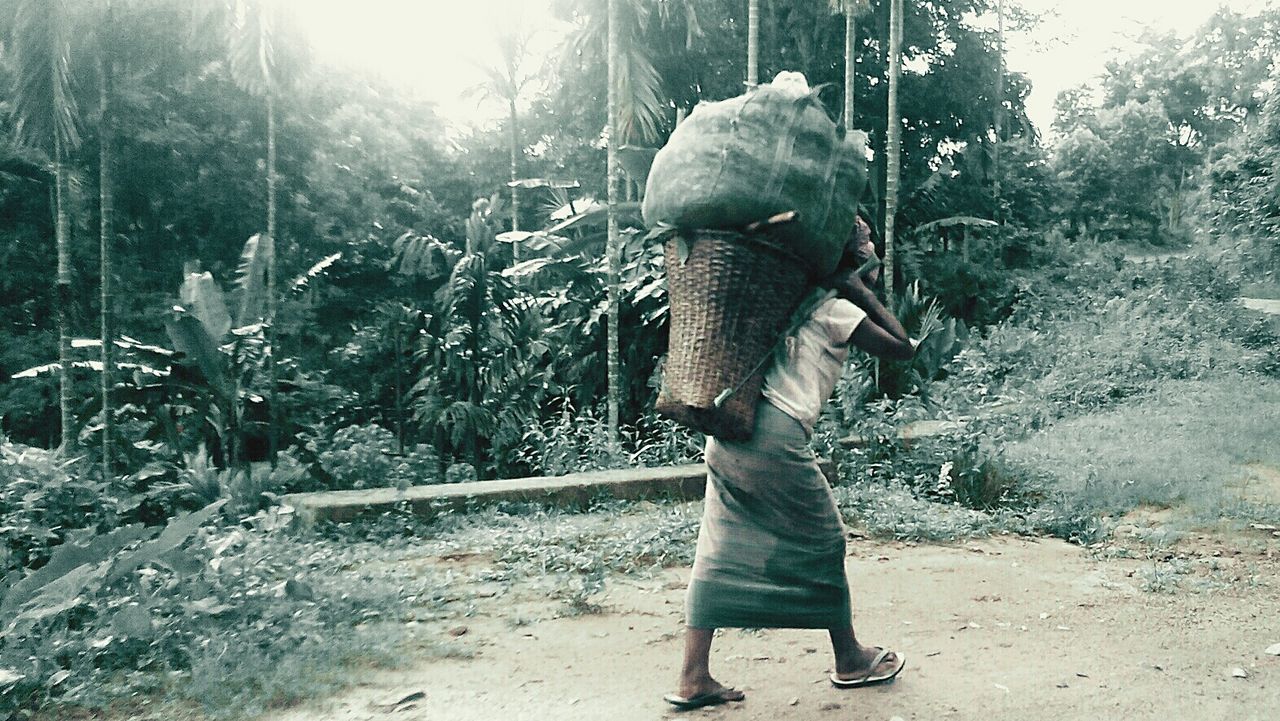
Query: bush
{"points": [[365, 456], [237, 617], [572, 441], [44, 499]]}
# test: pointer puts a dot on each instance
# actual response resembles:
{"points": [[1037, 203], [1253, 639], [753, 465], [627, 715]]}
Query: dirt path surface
{"points": [[998, 629]]}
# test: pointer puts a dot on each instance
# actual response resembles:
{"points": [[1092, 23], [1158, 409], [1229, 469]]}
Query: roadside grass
{"points": [[1205, 445], [273, 618], [1269, 289]]}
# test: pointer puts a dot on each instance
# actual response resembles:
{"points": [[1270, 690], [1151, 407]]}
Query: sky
{"points": [[434, 48]]}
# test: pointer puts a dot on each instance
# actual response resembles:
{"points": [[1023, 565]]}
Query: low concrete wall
{"points": [[576, 490]]}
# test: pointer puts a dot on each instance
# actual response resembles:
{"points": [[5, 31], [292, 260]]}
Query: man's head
{"points": [[859, 249]]}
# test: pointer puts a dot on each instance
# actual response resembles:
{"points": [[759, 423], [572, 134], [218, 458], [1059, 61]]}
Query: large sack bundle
{"points": [[732, 295], [774, 149]]}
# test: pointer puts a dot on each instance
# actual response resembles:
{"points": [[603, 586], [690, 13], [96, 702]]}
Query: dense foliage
{"points": [[405, 338]]}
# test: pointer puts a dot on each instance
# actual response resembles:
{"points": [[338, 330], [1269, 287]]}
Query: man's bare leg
{"points": [[695, 673], [853, 660]]}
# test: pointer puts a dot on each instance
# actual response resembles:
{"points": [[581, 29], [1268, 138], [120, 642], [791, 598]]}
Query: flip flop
{"points": [[712, 698], [870, 680]]}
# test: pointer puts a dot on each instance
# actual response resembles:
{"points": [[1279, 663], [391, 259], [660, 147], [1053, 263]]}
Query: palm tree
{"points": [[106, 212], [753, 43], [893, 140], [46, 118], [506, 82], [999, 111], [643, 102], [260, 68], [636, 111], [851, 9], [613, 244]]}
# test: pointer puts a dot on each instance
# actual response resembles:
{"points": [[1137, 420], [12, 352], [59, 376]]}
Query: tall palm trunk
{"points": [[62, 237], [999, 114], [515, 152], [850, 38], [106, 211], [893, 141], [753, 43], [612, 248], [272, 334]]}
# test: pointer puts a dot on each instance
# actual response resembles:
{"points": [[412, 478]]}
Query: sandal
{"points": [[870, 680]]}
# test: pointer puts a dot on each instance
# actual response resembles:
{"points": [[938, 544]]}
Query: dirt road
{"points": [[1001, 629]]}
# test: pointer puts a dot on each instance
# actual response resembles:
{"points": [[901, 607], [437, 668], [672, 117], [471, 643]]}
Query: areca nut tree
{"points": [[999, 112], [753, 43], [893, 140], [613, 243], [506, 81], [262, 65], [46, 118], [852, 10], [106, 215]]}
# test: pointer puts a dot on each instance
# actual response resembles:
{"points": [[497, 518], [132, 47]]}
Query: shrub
{"points": [[571, 441], [45, 498], [365, 456]]}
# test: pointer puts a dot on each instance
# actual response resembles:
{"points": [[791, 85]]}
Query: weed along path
{"points": [[1005, 628]]}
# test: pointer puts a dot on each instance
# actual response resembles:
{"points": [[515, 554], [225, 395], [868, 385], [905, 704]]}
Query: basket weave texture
{"points": [[731, 299]]}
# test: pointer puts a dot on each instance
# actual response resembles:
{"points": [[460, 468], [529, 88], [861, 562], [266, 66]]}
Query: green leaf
{"points": [[190, 338], [682, 249], [251, 278], [61, 595], [68, 557], [44, 108], [175, 534], [201, 296], [300, 283], [132, 621]]}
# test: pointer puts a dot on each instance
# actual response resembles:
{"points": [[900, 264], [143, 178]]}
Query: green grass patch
{"points": [[1264, 289], [1210, 445]]}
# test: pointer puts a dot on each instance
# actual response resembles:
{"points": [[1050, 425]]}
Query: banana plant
{"points": [[210, 383], [232, 355]]}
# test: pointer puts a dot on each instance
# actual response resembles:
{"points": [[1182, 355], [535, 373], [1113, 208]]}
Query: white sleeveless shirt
{"points": [[815, 360]]}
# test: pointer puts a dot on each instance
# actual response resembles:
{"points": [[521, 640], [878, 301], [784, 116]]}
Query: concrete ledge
{"points": [[911, 432], [1264, 305], [919, 430], [576, 490]]}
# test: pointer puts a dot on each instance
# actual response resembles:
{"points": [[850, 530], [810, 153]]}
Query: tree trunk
{"points": [[613, 243], [62, 238], [850, 37], [396, 329], [893, 142], [272, 334], [106, 211], [753, 43], [515, 198], [999, 114]]}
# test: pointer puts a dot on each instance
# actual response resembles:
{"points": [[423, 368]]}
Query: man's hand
{"points": [[866, 249], [849, 285]]}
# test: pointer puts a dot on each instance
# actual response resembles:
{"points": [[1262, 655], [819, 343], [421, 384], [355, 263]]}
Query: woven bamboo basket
{"points": [[731, 299]]}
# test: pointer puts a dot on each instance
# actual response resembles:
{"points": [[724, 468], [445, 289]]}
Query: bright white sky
{"points": [[431, 48]]}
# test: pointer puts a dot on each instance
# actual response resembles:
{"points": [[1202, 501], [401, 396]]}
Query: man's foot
{"points": [[871, 665], [703, 692]]}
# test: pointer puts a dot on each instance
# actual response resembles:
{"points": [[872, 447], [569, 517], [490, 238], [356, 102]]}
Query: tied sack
{"points": [[771, 150]]}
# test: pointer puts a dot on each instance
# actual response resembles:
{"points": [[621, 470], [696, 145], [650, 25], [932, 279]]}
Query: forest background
{"points": [[307, 282]]}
